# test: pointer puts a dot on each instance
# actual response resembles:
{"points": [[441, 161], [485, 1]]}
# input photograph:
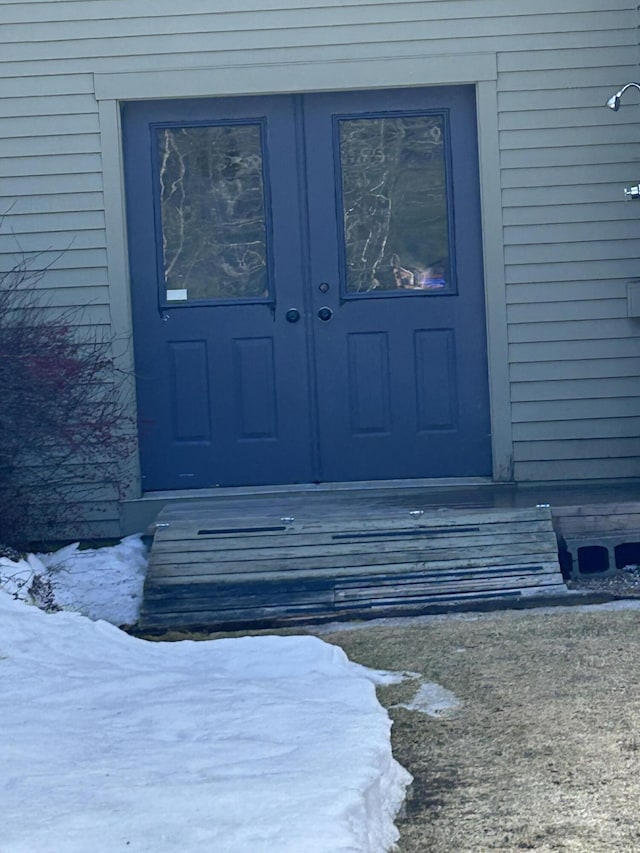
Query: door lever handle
{"points": [[325, 314]]}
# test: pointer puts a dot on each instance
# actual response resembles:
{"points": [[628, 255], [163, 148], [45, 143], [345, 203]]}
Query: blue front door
{"points": [[307, 288]]}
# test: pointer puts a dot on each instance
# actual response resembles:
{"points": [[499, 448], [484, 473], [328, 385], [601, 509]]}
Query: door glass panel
{"points": [[213, 212], [394, 197]]}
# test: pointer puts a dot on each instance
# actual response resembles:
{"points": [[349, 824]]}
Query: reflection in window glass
{"points": [[213, 212], [396, 235]]}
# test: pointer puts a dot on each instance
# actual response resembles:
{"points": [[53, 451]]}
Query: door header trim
{"points": [[370, 73]]}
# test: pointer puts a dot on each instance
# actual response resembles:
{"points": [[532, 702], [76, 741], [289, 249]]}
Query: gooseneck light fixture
{"points": [[614, 101]]}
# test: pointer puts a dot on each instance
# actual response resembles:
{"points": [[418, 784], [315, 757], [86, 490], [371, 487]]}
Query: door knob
{"points": [[292, 315], [325, 314]]}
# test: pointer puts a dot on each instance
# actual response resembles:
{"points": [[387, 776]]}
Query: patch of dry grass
{"points": [[544, 752]]}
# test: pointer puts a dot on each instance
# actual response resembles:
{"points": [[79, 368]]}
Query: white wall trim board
{"points": [[274, 78]]}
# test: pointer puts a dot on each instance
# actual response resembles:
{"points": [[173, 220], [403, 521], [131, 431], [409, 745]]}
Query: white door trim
{"points": [[479, 69]]}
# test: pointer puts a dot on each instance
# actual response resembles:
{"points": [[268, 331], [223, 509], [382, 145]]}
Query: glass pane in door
{"points": [[394, 198], [212, 204]]}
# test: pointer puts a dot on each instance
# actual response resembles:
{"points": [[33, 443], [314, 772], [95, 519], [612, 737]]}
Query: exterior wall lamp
{"points": [[614, 101]]}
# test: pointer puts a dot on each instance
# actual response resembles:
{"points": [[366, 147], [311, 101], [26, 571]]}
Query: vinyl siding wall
{"points": [[570, 238]]}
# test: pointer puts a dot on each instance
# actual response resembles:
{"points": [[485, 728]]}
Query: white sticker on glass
{"points": [[176, 295]]}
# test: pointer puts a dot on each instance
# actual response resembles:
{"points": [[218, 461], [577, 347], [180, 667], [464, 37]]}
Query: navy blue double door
{"points": [[307, 289]]}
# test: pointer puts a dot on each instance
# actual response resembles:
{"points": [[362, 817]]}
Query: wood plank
{"points": [[405, 592], [366, 498], [211, 618], [264, 538], [485, 572], [166, 538], [254, 573], [184, 585], [276, 547], [341, 562], [610, 508], [224, 595], [341, 554], [446, 601], [353, 563], [250, 599], [350, 598], [344, 509], [358, 526]]}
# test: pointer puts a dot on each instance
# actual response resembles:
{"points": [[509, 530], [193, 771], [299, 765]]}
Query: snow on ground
{"points": [[432, 699], [107, 742], [101, 583]]}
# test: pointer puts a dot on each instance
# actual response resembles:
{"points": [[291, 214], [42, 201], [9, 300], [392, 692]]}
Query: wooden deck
{"points": [[281, 557]]}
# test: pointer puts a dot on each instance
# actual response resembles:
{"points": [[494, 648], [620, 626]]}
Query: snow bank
{"points": [[251, 745], [101, 583]]}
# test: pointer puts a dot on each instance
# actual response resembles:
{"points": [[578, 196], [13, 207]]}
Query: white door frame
{"points": [[479, 69]]}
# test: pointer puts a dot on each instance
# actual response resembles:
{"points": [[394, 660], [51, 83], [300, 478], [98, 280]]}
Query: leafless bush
{"points": [[63, 430]]}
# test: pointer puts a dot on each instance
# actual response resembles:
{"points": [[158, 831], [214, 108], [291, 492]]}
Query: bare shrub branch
{"points": [[64, 431]]}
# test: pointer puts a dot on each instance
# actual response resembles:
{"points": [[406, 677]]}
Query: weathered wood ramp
{"points": [[276, 562]]}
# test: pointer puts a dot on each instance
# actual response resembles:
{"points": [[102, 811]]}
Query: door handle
{"points": [[325, 314], [292, 315]]}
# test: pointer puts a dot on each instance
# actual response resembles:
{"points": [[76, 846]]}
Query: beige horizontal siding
{"points": [[570, 253], [588, 368], [57, 183], [575, 232], [36, 203], [564, 350], [38, 241], [45, 105], [589, 388], [50, 23], [58, 164], [570, 239], [559, 60], [561, 410], [573, 211], [62, 220], [586, 155], [75, 297], [621, 468], [84, 276], [37, 125], [587, 448], [556, 312], [86, 315], [49, 84], [610, 427], [570, 248], [49, 145], [586, 330], [585, 118], [545, 271], [572, 291], [607, 133], [308, 53], [72, 10]]}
